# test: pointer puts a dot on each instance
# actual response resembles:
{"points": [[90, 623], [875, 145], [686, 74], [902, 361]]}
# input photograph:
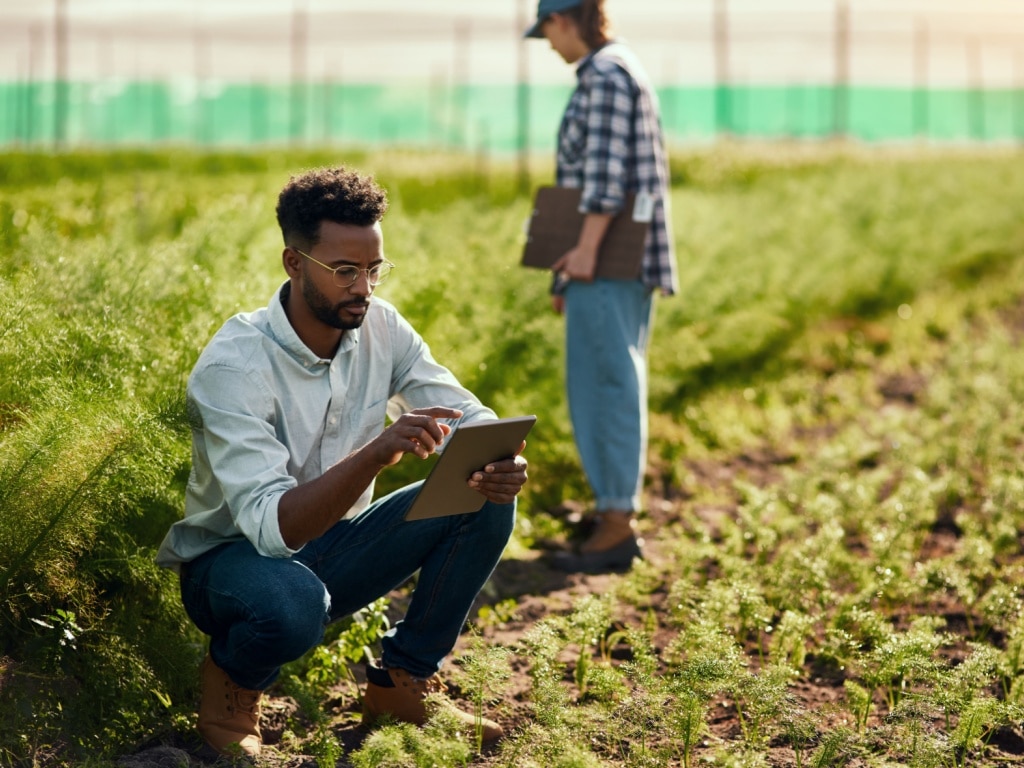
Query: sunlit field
{"points": [[835, 511]]}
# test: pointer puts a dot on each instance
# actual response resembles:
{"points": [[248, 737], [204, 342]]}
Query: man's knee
{"points": [[497, 520], [297, 614]]}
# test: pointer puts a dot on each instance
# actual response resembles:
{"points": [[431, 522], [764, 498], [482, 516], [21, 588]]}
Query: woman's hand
{"points": [[578, 264]]}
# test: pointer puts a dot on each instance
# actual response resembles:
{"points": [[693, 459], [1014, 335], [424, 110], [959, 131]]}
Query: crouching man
{"points": [[288, 406]]}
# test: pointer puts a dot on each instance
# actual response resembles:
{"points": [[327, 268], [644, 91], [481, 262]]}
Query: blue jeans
{"points": [[607, 326], [261, 612]]}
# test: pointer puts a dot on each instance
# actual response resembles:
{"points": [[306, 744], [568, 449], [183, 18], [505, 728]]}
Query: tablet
{"points": [[469, 448]]}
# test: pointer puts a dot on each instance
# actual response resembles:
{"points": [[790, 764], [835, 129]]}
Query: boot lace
{"points": [[245, 701], [432, 684]]}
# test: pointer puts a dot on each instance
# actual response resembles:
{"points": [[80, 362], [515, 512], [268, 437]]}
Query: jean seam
{"points": [[445, 566]]}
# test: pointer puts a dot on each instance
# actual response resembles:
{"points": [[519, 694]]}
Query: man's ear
{"points": [[290, 259]]}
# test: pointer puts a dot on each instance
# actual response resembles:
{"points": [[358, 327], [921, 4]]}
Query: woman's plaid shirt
{"points": [[610, 143]]}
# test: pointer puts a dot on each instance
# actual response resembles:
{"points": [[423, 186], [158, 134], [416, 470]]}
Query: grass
{"points": [[845, 345]]}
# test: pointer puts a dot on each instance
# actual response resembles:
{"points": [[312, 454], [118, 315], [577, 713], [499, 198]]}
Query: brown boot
{"points": [[612, 546], [229, 715], [612, 528], [397, 694]]}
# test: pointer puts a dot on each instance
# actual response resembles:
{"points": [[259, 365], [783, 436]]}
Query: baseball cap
{"points": [[544, 9]]}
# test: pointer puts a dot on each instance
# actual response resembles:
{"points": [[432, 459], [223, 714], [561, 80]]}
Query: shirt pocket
{"points": [[370, 422]]}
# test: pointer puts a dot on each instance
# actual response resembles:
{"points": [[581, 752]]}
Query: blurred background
{"points": [[456, 74]]}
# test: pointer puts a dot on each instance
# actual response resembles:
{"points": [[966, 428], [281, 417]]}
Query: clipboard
{"points": [[554, 228], [469, 448]]}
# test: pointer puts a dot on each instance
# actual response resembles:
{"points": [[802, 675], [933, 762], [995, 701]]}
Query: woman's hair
{"points": [[592, 21]]}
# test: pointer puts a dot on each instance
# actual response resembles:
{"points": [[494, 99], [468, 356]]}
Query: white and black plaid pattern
{"points": [[610, 143]]}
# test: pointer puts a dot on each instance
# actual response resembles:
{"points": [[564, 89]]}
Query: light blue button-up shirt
{"points": [[267, 414]]}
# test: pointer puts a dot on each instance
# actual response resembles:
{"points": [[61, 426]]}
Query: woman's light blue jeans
{"points": [[607, 327], [261, 612]]}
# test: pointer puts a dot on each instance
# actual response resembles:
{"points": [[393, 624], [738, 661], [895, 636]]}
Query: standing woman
{"points": [[610, 143]]}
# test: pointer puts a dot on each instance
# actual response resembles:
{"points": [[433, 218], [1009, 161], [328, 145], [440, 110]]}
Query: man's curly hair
{"points": [[327, 194]]}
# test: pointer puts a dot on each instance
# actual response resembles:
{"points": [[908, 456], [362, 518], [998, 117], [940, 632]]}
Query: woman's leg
{"points": [[607, 324]]}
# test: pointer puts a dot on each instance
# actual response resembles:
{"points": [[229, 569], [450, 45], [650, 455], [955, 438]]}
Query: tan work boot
{"points": [[229, 715], [611, 546], [397, 694]]}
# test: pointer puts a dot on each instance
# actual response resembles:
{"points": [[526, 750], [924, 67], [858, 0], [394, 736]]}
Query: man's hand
{"points": [[501, 481], [416, 432]]}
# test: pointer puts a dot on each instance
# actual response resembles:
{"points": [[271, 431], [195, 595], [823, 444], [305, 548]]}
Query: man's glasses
{"points": [[347, 274]]}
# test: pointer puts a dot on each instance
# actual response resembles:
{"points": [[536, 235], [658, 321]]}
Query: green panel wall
{"points": [[480, 117]]}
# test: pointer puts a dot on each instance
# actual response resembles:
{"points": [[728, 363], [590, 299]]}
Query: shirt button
{"points": [[332, 421]]}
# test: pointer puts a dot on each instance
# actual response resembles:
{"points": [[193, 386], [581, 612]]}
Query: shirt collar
{"points": [[585, 61]]}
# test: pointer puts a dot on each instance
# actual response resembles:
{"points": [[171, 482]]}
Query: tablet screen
{"points": [[469, 448]]}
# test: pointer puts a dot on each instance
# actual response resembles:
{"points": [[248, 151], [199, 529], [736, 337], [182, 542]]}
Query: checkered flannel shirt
{"points": [[610, 143]]}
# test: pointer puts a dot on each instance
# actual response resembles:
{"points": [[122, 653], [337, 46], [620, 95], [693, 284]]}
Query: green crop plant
{"points": [[790, 638], [800, 730], [639, 725], [739, 605], [76, 481], [903, 660], [682, 602], [639, 585], [913, 739], [1011, 663], [348, 642], [761, 699], [1005, 494], [586, 628], [838, 747], [694, 682], [868, 628], [705, 659], [541, 645], [325, 747], [496, 615], [803, 574], [957, 687], [687, 720], [537, 747], [858, 701], [485, 672], [406, 746], [976, 720], [758, 517]]}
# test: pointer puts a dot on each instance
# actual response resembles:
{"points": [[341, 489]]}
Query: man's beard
{"points": [[329, 313]]}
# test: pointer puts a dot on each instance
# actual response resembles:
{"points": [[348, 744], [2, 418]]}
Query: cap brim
{"points": [[535, 30]]}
